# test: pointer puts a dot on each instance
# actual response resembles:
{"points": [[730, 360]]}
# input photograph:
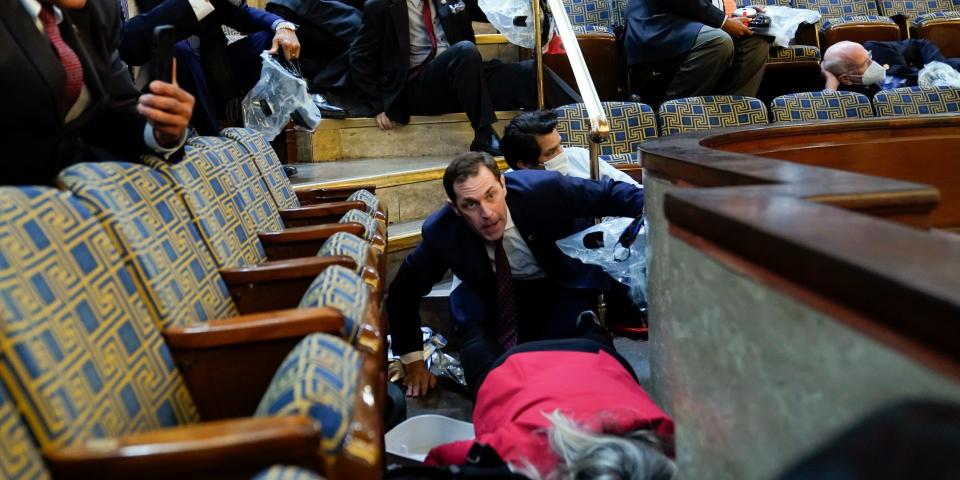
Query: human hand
{"points": [[736, 27], [168, 108], [418, 380], [383, 121], [287, 40], [833, 83]]}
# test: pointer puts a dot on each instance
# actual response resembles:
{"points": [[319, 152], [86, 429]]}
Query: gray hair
{"points": [[838, 59], [585, 455]]}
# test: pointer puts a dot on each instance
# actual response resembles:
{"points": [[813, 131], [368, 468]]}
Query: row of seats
{"points": [[199, 308], [633, 123]]}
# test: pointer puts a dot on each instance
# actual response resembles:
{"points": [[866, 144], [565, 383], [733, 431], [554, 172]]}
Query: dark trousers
{"points": [[458, 80], [324, 43], [545, 311], [241, 62]]}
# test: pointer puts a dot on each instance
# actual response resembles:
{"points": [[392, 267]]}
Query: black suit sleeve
{"points": [[476, 13], [136, 41], [420, 271], [605, 198], [700, 10], [245, 19], [119, 128], [365, 68]]}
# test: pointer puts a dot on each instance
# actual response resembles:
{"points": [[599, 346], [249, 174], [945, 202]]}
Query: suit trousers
{"points": [[458, 80], [719, 65]]}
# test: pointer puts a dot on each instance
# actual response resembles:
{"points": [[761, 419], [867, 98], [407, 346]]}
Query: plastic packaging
{"points": [[414, 437], [280, 94], [510, 17], [618, 245], [438, 363], [784, 22], [938, 74]]}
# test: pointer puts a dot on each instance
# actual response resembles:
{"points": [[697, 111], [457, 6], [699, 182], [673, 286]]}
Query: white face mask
{"points": [[556, 163], [875, 73]]}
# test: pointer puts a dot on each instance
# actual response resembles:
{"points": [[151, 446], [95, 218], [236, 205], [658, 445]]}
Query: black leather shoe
{"points": [[486, 140], [328, 109], [291, 171]]}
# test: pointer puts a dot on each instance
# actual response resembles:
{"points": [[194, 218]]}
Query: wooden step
{"points": [[355, 138]]}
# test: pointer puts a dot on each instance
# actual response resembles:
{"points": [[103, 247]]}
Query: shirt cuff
{"points": [[152, 144], [275, 23], [411, 357], [201, 8]]}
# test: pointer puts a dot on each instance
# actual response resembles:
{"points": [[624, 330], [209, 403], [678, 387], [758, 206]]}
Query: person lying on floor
{"points": [[568, 408]]}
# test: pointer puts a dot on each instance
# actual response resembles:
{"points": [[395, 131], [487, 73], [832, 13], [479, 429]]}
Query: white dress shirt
{"points": [[419, 40], [575, 162], [33, 9]]}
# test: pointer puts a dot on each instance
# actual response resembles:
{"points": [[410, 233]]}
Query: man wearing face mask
{"points": [[531, 141], [849, 66]]}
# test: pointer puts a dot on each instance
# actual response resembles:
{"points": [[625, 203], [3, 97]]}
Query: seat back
{"points": [[704, 113], [840, 8], [374, 232], [159, 241], [630, 125], [916, 101], [19, 456], [206, 186], [366, 258], [825, 105], [912, 8], [78, 351], [262, 156], [338, 287], [586, 13]]}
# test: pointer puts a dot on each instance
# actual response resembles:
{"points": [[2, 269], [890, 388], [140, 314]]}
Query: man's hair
{"points": [[838, 61], [467, 165], [519, 143], [633, 455]]}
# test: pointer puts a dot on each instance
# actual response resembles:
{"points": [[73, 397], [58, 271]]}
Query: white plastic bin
{"points": [[414, 437]]}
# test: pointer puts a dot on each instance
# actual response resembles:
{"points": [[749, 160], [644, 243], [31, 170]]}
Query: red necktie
{"points": [[71, 62], [506, 309], [428, 23]]}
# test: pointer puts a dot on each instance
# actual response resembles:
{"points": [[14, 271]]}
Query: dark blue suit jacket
{"points": [[137, 36], [545, 207], [661, 29]]}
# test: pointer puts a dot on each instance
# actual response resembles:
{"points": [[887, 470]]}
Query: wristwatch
{"points": [[288, 25]]}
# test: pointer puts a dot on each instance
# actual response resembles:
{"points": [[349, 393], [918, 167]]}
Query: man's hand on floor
{"points": [[383, 121], [418, 380]]}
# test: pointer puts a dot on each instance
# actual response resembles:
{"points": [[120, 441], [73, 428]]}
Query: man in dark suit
{"points": [[722, 56], [498, 235], [65, 90], [418, 57], [213, 71]]}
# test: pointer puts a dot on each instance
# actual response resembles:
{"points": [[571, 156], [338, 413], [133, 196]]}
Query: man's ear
{"points": [[844, 80], [452, 206]]}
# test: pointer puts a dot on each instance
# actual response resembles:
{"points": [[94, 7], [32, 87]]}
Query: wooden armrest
{"points": [[303, 241], [276, 285], [223, 449], [330, 194], [258, 327], [318, 214]]}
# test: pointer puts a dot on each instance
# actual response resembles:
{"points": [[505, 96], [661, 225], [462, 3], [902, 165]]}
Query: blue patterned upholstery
{"points": [[703, 113], [350, 245], [916, 101], [840, 8], [318, 379], [205, 184], [936, 17], [271, 170], [621, 159], [286, 472], [159, 241], [77, 349], [373, 229], [368, 199], [630, 125], [829, 23], [915, 8], [794, 53], [338, 287], [588, 12], [618, 12], [19, 456], [587, 29], [825, 105]]}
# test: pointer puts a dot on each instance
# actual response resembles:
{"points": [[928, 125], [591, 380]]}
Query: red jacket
{"points": [[591, 388]]}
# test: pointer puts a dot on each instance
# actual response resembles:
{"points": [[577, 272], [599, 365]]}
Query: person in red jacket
{"points": [[568, 408]]}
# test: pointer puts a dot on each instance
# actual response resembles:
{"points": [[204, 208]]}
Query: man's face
{"points": [[549, 146], [482, 202], [858, 56], [68, 4]]}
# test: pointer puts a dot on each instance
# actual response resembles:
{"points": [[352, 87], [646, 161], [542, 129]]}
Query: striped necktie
{"points": [[71, 62], [506, 306]]}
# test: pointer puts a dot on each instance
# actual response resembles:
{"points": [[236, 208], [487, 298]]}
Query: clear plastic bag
{"points": [[613, 247], [438, 362], [784, 22], [511, 18], [280, 94], [938, 74]]}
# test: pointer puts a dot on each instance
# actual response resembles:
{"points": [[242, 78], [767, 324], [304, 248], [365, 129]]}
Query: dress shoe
{"points": [[290, 170], [328, 109], [486, 140]]}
